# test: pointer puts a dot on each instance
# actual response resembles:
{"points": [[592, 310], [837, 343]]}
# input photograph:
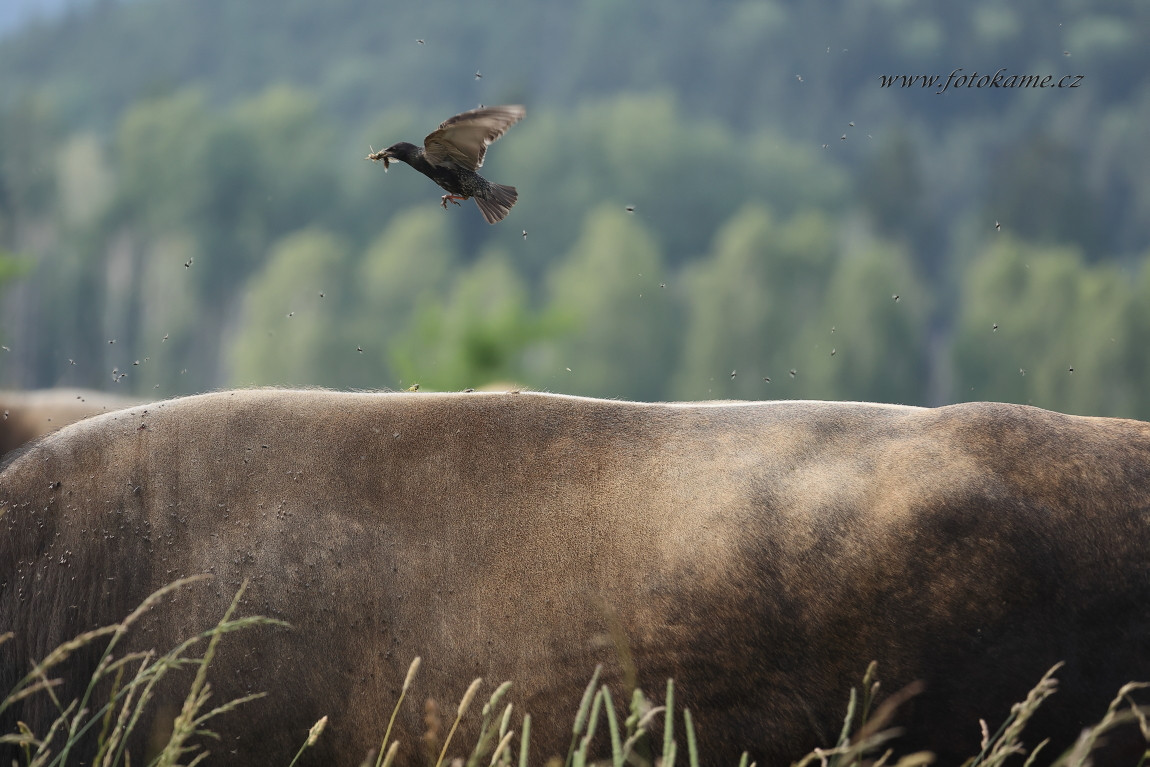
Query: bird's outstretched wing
{"points": [[464, 139]]}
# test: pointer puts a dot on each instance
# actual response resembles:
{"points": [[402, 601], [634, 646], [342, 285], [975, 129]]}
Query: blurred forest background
{"points": [[712, 195]]}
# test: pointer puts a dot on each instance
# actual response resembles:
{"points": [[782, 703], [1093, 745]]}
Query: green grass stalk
{"points": [[463, 705], [411, 671]]}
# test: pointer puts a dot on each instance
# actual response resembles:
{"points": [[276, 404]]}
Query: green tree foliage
{"points": [[162, 151], [173, 328], [891, 188], [408, 267], [238, 180], [475, 335], [608, 290], [1136, 377], [291, 331], [172, 193], [681, 172], [783, 301], [748, 302], [1120, 156], [83, 180], [286, 160], [11, 267], [27, 132], [1053, 312], [1041, 190], [867, 344]]}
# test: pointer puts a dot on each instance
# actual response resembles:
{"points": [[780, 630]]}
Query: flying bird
{"points": [[451, 155]]}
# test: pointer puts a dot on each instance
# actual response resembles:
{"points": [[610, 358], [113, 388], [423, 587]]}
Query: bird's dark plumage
{"points": [[452, 154]]}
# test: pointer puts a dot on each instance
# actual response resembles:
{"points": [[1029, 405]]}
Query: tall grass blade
{"points": [[312, 736], [487, 728], [848, 720], [870, 687], [187, 722], [464, 703], [581, 715], [593, 720], [692, 746], [391, 752], [119, 732], [506, 722], [617, 755], [503, 743], [525, 740], [411, 670]]}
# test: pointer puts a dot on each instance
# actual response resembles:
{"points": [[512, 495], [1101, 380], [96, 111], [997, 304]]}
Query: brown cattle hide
{"points": [[761, 554], [27, 415]]}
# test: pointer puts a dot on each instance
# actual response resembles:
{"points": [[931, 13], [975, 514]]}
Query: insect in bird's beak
{"points": [[380, 156]]}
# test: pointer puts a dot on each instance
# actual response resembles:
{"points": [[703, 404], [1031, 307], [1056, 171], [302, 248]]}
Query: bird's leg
{"points": [[453, 198]]}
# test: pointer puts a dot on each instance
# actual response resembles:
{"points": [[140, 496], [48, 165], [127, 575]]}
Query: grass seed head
{"points": [[412, 669], [468, 697], [315, 731], [391, 752]]}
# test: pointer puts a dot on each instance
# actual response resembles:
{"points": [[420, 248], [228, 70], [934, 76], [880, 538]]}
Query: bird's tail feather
{"points": [[498, 202]]}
